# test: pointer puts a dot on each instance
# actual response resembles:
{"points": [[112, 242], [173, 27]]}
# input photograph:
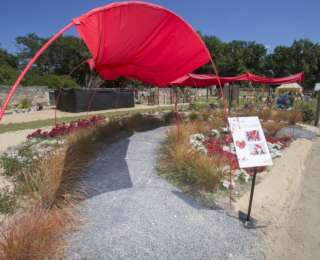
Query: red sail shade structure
{"points": [[203, 80], [276, 81], [136, 40], [141, 41], [195, 80]]}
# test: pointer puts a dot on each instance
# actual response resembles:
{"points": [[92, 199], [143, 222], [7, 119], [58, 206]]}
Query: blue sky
{"points": [[271, 22]]}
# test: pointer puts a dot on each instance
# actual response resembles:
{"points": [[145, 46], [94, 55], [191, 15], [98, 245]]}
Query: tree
{"points": [[302, 55], [8, 75], [67, 57], [235, 57], [7, 59], [8, 67], [64, 57]]}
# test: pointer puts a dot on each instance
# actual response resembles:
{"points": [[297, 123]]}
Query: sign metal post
{"points": [[252, 192], [252, 152]]}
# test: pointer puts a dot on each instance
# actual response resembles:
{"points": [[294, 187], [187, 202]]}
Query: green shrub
{"points": [[25, 103], [52, 81], [16, 159], [197, 106], [205, 115], [7, 75], [194, 116], [7, 202], [308, 110]]}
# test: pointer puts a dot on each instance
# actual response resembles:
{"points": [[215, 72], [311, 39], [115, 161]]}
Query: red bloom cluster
{"points": [[232, 159], [284, 140], [64, 129], [227, 139], [215, 146]]}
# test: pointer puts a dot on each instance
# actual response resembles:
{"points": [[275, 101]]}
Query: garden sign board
{"points": [[250, 142]]}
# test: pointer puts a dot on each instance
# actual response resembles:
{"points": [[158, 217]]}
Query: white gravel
{"points": [[132, 213]]}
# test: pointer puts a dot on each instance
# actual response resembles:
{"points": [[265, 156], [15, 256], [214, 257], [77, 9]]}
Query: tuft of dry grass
{"points": [[217, 122], [289, 116], [279, 115], [37, 230], [35, 235], [265, 113], [55, 180], [273, 127], [187, 168], [295, 117]]}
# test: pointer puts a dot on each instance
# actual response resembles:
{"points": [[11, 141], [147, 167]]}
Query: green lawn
{"points": [[50, 122]]}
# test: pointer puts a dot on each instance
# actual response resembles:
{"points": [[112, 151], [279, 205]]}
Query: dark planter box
{"points": [[82, 100]]}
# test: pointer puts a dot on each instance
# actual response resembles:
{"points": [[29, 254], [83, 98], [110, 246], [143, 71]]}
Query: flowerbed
{"points": [[64, 129], [203, 139], [219, 142]]}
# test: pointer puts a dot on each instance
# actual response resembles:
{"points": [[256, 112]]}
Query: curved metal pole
{"points": [[28, 66], [214, 67], [57, 103], [90, 102]]}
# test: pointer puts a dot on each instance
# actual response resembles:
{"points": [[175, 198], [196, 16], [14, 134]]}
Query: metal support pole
{"points": [[252, 192], [28, 66], [230, 97]]}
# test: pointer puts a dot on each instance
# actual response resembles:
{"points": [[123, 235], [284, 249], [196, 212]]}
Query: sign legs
{"points": [[248, 221], [252, 192]]}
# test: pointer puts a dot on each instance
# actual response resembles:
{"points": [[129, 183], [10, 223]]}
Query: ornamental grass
{"points": [[273, 127], [36, 234], [37, 229], [184, 166], [49, 188]]}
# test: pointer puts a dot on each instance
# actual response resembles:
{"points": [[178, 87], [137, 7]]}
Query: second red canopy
{"points": [[204, 80]]}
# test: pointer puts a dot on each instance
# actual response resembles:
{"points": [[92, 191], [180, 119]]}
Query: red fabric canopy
{"points": [[202, 80], [276, 81], [134, 40], [196, 80], [142, 41]]}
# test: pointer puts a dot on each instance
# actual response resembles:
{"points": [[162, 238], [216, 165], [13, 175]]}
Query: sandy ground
{"points": [[49, 113], [286, 204], [299, 237], [14, 138]]}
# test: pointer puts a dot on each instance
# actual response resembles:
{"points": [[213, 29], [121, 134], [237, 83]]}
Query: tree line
{"points": [[63, 64]]}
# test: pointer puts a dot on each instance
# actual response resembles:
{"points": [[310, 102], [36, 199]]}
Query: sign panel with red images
{"points": [[250, 142]]}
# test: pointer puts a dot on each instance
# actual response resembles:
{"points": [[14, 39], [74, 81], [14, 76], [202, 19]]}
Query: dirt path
{"points": [[49, 114], [299, 236], [15, 138]]}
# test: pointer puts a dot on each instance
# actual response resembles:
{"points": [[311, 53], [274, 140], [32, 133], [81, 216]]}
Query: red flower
{"points": [[35, 134], [63, 129], [227, 139], [214, 146], [232, 159], [284, 140]]}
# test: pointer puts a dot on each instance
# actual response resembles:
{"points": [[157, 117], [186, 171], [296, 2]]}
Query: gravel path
{"points": [[133, 214]]}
